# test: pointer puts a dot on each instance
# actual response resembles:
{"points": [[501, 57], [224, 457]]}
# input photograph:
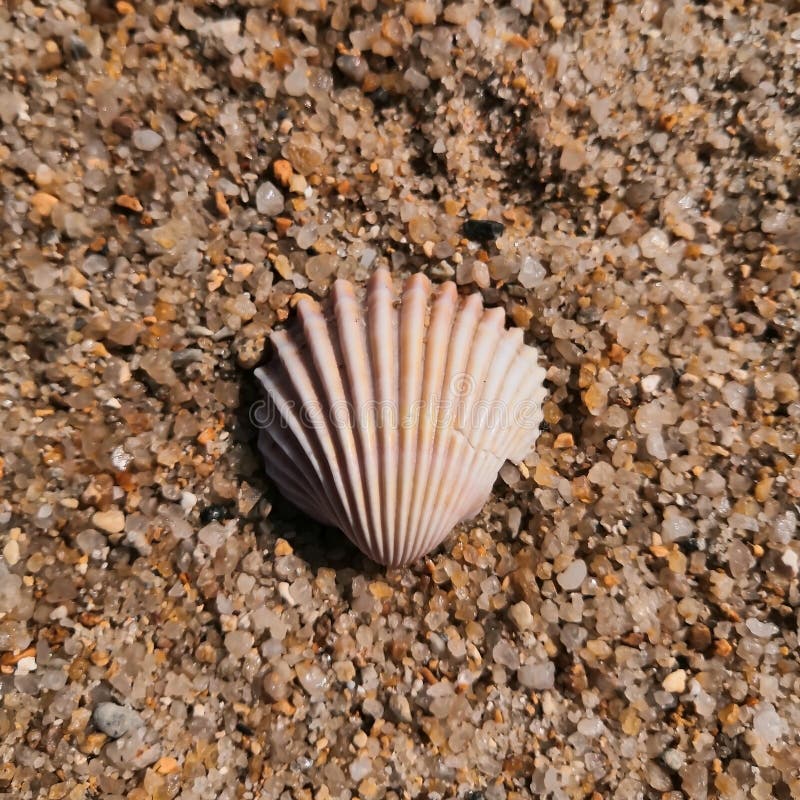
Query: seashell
{"points": [[390, 421]]}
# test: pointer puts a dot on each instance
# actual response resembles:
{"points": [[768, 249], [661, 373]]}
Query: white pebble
{"points": [[115, 720], [538, 677], [675, 526], [147, 140], [653, 243], [296, 83], [573, 576], [767, 724], [269, 200], [531, 273], [764, 630]]}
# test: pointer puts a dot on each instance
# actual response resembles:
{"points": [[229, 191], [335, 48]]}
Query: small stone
{"points": [[321, 267], [312, 678], [115, 720], [513, 520], [269, 200], [483, 230], [674, 759], [81, 297], [11, 552], [222, 204], [282, 170], [421, 229], [123, 126], [573, 156], [675, 682], [129, 202], [283, 548], [573, 576], [400, 708], [653, 243], [238, 643], [353, 67], [504, 653], [531, 273], [729, 715], [699, 637], [595, 398], [419, 12], [43, 203], [520, 615], [146, 139], [675, 526], [762, 630], [694, 781], [538, 677], [360, 768], [637, 194], [768, 724], [111, 521], [296, 82]]}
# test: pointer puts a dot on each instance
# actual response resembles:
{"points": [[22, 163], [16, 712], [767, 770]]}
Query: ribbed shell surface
{"points": [[390, 420]]}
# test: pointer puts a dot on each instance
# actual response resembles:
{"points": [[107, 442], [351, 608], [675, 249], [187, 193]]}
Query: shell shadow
{"points": [[319, 545]]}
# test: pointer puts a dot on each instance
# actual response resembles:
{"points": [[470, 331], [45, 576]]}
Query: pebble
{"points": [[400, 708], [296, 82], [43, 203], [675, 682], [768, 724], [763, 630], [111, 521], [520, 614], [146, 139], [573, 156], [675, 527], [538, 677], [483, 230], [531, 273], [11, 552], [269, 200], [573, 576], [115, 720], [238, 643], [653, 243]]}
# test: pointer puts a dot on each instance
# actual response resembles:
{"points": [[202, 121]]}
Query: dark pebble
{"points": [[380, 98], [699, 637], [483, 230], [124, 126], [214, 513]]}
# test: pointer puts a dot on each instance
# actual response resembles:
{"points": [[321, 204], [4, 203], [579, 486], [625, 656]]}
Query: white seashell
{"points": [[391, 421]]}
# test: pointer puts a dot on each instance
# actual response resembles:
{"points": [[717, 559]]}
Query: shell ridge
{"points": [[437, 347], [413, 330], [341, 411], [530, 393], [518, 388], [382, 332], [464, 330], [484, 346], [335, 404], [306, 386], [488, 414], [352, 336]]}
